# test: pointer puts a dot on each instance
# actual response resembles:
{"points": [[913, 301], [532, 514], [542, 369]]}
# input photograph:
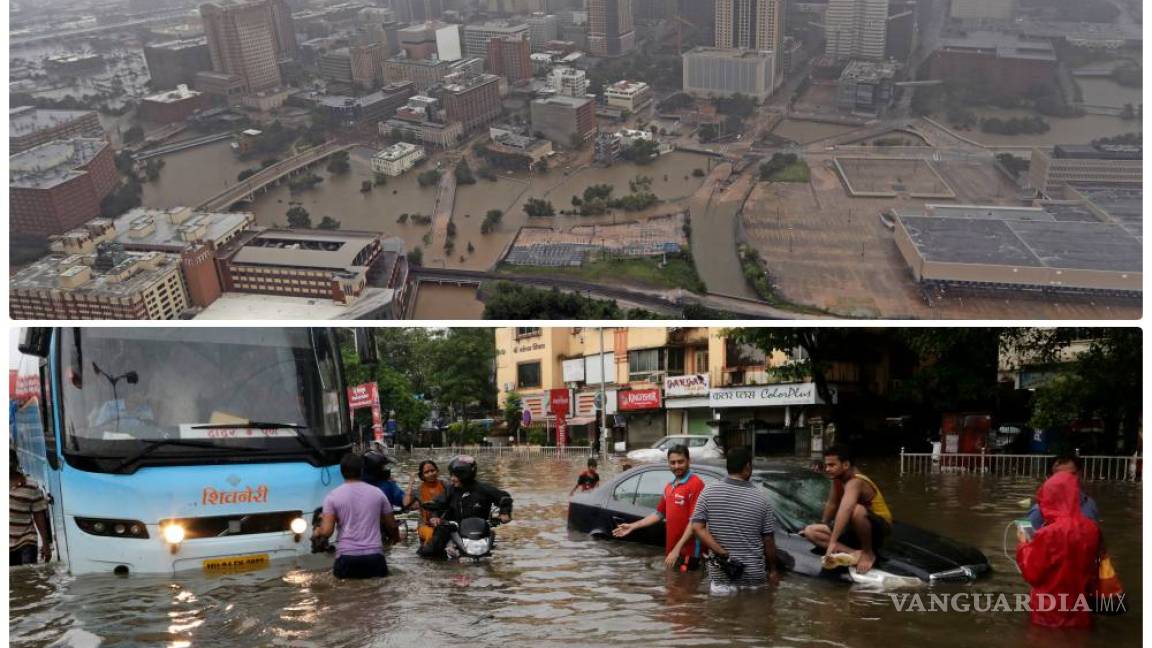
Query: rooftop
{"points": [[627, 87], [47, 165], [245, 306], [1027, 238], [23, 120], [177, 227], [336, 250], [142, 268], [563, 100], [397, 151], [868, 71], [1099, 151], [510, 27], [717, 52], [1124, 207], [1004, 45], [177, 45], [181, 93]]}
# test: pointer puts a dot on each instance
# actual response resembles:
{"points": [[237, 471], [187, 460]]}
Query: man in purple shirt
{"points": [[361, 511]]}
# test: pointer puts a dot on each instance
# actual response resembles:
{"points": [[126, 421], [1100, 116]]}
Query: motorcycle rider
{"points": [[378, 474], [465, 498]]}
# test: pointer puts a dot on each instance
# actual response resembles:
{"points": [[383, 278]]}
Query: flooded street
{"points": [[805, 132], [547, 587], [382, 208], [437, 303]]}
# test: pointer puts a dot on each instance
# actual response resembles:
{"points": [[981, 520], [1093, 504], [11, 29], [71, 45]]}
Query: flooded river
{"points": [[548, 587]]}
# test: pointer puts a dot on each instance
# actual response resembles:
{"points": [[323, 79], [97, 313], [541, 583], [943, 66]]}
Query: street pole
{"points": [[603, 403]]}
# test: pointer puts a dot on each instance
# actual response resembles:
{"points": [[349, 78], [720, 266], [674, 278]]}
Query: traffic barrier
{"points": [[1094, 467]]}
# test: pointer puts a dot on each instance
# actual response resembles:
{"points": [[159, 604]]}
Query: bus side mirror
{"points": [[366, 346], [34, 341]]}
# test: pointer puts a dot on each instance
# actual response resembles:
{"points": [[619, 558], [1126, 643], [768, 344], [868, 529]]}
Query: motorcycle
{"points": [[472, 538]]}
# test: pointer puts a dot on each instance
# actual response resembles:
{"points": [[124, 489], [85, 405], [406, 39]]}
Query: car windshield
{"points": [[797, 497], [195, 387], [691, 442]]}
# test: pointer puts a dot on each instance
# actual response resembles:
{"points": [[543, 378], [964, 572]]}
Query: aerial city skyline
{"points": [[440, 159]]}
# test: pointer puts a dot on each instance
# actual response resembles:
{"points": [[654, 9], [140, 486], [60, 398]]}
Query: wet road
{"points": [[546, 587]]}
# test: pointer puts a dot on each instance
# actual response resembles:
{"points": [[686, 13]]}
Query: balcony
{"points": [[761, 375]]}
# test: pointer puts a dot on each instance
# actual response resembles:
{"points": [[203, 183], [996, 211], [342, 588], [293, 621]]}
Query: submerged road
{"points": [[546, 587]]}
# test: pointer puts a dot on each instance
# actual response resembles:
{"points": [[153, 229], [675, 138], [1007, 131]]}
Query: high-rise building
{"points": [[472, 100], [750, 24], [285, 29], [856, 29], [57, 186], [715, 72], [543, 28], [243, 40], [566, 121], [476, 37], [176, 62], [610, 31], [417, 10], [568, 81], [29, 126], [509, 57]]}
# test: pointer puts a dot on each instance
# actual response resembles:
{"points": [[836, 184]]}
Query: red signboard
{"points": [[639, 399], [559, 401], [368, 395]]}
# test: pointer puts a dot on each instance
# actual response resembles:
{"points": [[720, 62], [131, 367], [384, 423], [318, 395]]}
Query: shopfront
{"points": [[687, 410], [771, 419], [642, 412]]}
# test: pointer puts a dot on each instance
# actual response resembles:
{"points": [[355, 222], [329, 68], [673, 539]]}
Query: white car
{"points": [[699, 447]]}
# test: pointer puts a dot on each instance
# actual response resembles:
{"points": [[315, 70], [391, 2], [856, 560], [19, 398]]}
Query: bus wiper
{"points": [[305, 439], [153, 444]]}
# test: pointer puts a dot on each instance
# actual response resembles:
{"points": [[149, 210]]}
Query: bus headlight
{"points": [[173, 534], [298, 526]]}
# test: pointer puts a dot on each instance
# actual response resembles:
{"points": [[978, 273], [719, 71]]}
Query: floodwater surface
{"points": [[546, 586]]}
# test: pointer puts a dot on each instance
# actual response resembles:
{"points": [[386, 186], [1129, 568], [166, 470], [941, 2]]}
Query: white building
{"points": [[628, 95], [710, 72], [397, 159], [448, 43], [476, 37], [568, 81], [856, 29]]}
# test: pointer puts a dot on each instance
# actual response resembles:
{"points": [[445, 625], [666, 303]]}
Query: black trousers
{"points": [[370, 566], [24, 555], [434, 548]]}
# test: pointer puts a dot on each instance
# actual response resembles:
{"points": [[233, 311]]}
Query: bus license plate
{"points": [[236, 563]]}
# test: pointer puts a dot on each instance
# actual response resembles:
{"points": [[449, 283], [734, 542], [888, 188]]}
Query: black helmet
{"points": [[463, 468], [376, 466]]}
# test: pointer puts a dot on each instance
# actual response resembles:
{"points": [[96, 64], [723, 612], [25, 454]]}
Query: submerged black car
{"points": [[797, 496]]}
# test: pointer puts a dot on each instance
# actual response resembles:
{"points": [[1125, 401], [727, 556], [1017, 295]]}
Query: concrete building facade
{"points": [[750, 24], [57, 186], [509, 57], [610, 29], [242, 40], [29, 126], [472, 100], [176, 62], [476, 37], [1087, 165], [713, 72], [856, 29], [396, 159], [568, 122]]}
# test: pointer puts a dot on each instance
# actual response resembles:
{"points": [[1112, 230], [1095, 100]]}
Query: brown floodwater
{"points": [[192, 176], [808, 131], [438, 303], [546, 586]]}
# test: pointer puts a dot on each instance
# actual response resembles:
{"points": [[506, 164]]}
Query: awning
{"points": [[582, 420]]}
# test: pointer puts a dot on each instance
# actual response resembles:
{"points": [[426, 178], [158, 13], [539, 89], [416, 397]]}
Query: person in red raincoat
{"points": [[1061, 558]]}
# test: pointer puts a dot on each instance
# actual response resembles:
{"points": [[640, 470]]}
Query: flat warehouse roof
{"points": [[1053, 244]]}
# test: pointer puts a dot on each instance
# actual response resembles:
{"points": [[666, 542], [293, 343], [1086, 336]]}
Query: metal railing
{"points": [[504, 451], [1094, 467]]}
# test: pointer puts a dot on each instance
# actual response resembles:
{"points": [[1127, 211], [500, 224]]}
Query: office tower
{"points": [[750, 24], [242, 41], [610, 30], [856, 29]]}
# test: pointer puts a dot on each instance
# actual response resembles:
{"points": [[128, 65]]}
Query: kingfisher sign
{"points": [[639, 399]]}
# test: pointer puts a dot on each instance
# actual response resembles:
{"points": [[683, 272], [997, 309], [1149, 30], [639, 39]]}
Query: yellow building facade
{"points": [[656, 381]]}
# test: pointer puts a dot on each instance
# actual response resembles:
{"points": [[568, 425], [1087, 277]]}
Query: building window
{"points": [[527, 331], [528, 375], [644, 364], [743, 355], [675, 361], [700, 361]]}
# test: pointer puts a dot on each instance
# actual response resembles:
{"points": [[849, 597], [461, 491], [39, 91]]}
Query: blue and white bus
{"points": [[172, 449]]}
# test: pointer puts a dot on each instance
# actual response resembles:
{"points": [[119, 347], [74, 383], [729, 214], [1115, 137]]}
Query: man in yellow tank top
{"points": [[856, 518]]}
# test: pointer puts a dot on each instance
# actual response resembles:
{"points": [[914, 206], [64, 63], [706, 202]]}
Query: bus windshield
{"points": [[214, 393]]}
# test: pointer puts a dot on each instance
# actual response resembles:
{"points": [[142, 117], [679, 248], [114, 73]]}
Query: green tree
{"points": [[513, 413], [464, 173], [133, 135], [642, 151], [366, 186], [462, 369], [245, 174], [328, 223], [416, 257], [379, 179], [339, 163], [299, 218], [429, 178], [537, 207]]}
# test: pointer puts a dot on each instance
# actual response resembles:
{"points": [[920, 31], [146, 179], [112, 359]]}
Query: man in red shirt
{"points": [[675, 510]]}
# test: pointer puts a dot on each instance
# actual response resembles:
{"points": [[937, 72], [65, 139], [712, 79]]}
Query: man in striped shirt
{"points": [[735, 521], [27, 514]]}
